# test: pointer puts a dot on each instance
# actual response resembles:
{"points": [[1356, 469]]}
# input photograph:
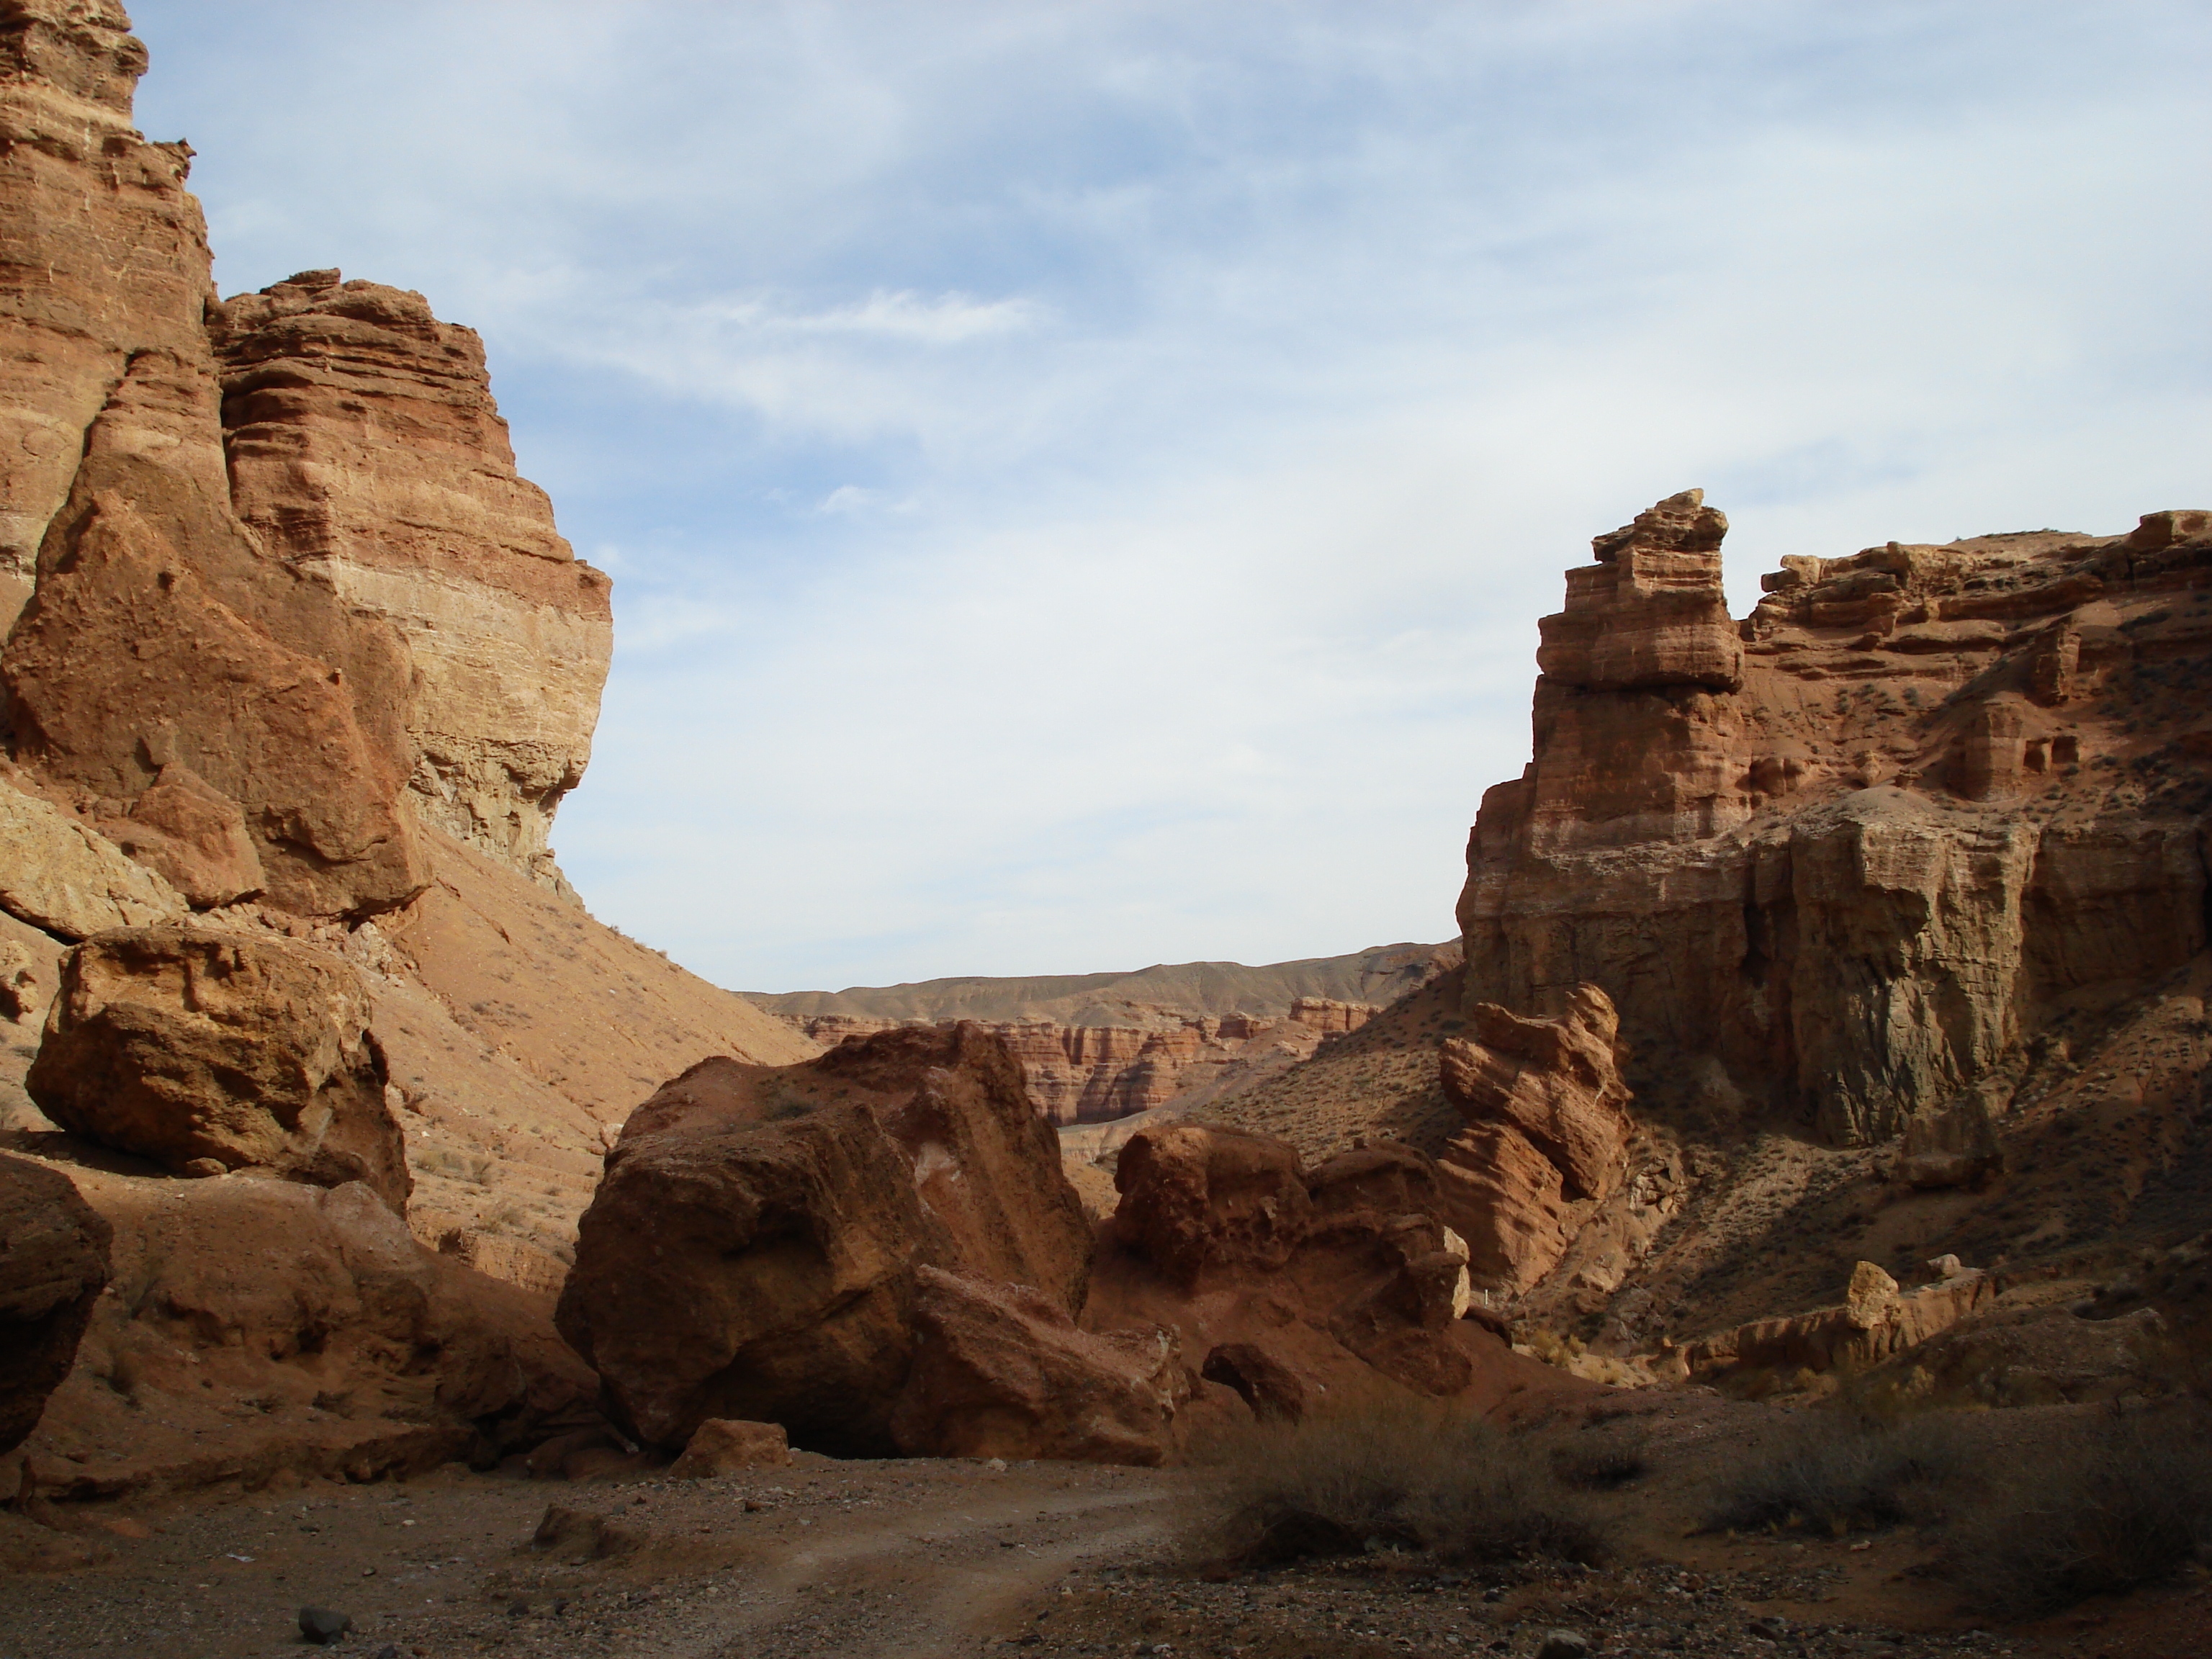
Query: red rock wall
{"points": [[1855, 845]]}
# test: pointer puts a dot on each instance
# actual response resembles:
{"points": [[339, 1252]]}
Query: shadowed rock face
{"points": [[189, 1047], [53, 1266], [1855, 848], [754, 1247]]}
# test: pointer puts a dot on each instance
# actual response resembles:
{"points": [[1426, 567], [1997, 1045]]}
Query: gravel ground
{"points": [[946, 1558]]}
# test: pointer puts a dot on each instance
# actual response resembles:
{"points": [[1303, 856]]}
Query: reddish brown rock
{"points": [[753, 1248], [365, 447], [182, 1047], [1947, 791], [194, 837], [1000, 1370], [366, 1355], [103, 253], [53, 1266], [1651, 612], [1195, 1199], [718, 1447], [1554, 1081]]}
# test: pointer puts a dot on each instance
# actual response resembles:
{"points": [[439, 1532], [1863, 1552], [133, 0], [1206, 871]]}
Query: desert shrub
{"points": [[1838, 1472], [2127, 1504], [1390, 1472], [1601, 1464]]}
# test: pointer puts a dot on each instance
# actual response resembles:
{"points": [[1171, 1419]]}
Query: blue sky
{"points": [[1081, 479]]}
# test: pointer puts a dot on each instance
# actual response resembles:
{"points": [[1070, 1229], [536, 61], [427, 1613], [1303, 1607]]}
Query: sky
{"points": [[1081, 479]]}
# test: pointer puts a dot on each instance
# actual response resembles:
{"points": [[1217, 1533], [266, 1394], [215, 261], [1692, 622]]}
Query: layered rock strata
{"points": [[1548, 1133], [365, 447], [1855, 852], [1096, 1073]]}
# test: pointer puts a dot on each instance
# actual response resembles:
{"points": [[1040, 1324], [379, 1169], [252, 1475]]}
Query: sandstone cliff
{"points": [[295, 670], [1857, 849]]}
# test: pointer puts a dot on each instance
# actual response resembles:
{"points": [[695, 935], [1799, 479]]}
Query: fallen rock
{"points": [[718, 1446], [57, 874], [1002, 1372], [753, 1248], [194, 837], [1268, 1384], [1197, 1199], [53, 1266], [180, 1046]]}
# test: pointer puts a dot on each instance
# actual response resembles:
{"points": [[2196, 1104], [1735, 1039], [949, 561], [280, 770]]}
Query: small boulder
{"points": [[53, 1266], [721, 1446], [324, 1626], [193, 835], [1563, 1644], [182, 1045]]}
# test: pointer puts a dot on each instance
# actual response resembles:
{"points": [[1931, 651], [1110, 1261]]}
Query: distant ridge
{"points": [[1379, 974]]}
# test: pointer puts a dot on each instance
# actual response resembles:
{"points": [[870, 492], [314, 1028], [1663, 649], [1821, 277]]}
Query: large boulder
{"points": [[53, 1266], [1000, 1370], [60, 877], [214, 1052], [755, 1246]]}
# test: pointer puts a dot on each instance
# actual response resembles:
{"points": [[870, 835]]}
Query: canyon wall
{"points": [[1095, 1072], [1857, 849]]}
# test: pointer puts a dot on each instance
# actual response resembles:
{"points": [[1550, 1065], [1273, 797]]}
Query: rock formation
{"points": [[754, 1247], [1855, 851], [290, 654], [209, 1053], [365, 448], [53, 1266]]}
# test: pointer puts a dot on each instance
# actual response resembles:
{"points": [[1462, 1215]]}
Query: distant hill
{"points": [[1381, 974]]}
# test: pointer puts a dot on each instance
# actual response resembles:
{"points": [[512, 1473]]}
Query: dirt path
{"points": [[911, 1559]]}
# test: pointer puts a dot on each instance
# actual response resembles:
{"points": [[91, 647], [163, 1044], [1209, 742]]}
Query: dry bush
{"points": [[2128, 1502], [1837, 1471], [1603, 1463], [1390, 1472]]}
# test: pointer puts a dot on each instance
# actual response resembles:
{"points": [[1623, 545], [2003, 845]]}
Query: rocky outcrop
{"points": [[53, 1266], [209, 1053], [1284, 1284], [1874, 1321], [106, 253], [1855, 855], [754, 1249], [365, 447], [1547, 1130]]}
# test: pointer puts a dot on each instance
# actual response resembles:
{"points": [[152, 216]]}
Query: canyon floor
{"points": [[956, 1557]]}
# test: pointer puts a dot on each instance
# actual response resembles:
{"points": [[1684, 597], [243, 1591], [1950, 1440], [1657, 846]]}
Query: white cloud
{"points": [[1085, 475]]}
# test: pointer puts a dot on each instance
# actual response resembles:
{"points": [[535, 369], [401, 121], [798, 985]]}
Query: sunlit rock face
{"points": [[365, 447]]}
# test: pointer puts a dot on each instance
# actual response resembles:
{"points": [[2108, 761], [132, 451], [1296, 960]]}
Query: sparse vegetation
{"points": [[1835, 1472], [1383, 1474], [2129, 1504]]}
